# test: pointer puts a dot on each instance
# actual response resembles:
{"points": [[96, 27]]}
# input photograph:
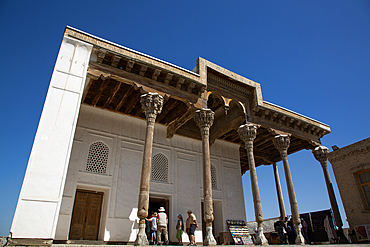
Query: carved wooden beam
{"points": [[175, 125], [122, 100], [223, 123], [168, 79], [179, 83], [175, 113], [100, 91], [282, 119], [134, 100], [101, 56], [267, 139], [191, 86], [143, 69], [115, 61], [130, 65], [130, 78], [112, 93], [220, 129], [167, 107], [87, 89], [156, 74], [308, 135]]}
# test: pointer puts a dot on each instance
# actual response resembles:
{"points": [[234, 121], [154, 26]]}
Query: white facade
{"points": [[39, 202], [124, 137], [58, 164]]}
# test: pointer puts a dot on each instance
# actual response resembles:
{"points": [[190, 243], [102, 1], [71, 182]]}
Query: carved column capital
{"points": [[248, 133], [281, 143], [321, 154], [204, 119], [151, 104]]}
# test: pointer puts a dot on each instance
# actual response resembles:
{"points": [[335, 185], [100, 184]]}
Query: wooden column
{"points": [[151, 105], [204, 119], [247, 133], [320, 154], [282, 143], [279, 192]]}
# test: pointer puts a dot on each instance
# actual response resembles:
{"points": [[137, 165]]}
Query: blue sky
{"points": [[311, 57]]}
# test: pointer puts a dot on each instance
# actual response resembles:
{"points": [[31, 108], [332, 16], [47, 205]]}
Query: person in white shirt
{"points": [[162, 221]]}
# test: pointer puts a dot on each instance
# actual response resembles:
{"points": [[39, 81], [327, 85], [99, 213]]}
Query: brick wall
{"points": [[346, 162]]}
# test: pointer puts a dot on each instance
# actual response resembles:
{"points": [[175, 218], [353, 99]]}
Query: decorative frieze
{"points": [[156, 74], [130, 65], [143, 69], [211, 78], [168, 79], [115, 60], [101, 55], [190, 87], [289, 119], [180, 82]]}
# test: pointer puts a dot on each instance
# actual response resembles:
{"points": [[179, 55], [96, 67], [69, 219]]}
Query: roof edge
{"points": [[131, 50], [296, 113]]}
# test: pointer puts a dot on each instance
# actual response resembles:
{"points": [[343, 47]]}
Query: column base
{"points": [[260, 237], [342, 237], [209, 239], [300, 238], [141, 238]]}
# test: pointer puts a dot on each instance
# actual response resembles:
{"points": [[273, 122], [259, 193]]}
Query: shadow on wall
{"points": [[123, 230]]}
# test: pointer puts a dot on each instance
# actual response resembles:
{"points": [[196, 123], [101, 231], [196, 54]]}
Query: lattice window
{"points": [[97, 159], [364, 181], [213, 177], [160, 168]]}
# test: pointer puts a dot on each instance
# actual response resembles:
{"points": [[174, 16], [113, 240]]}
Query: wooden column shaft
{"points": [[152, 106], [279, 192], [320, 153], [282, 143], [247, 133]]}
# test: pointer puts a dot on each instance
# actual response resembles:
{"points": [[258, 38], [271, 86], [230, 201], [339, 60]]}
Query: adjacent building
{"points": [[351, 166]]}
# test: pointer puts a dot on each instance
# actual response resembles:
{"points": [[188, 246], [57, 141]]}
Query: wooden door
{"points": [[86, 215]]}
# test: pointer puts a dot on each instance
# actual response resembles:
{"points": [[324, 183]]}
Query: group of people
{"points": [[287, 230], [158, 224]]}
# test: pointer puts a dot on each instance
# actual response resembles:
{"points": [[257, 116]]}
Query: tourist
{"points": [[179, 228], [188, 226], [153, 228], [285, 225], [292, 234], [162, 221], [305, 231], [279, 228], [329, 228], [193, 225]]}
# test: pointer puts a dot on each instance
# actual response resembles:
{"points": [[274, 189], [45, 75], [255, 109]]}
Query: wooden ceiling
{"points": [[123, 98], [117, 83]]}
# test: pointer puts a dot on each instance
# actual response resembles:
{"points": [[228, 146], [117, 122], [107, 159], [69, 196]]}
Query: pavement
{"points": [[319, 245]]}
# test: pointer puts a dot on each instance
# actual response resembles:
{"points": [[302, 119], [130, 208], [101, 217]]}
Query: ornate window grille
{"points": [[97, 160], [213, 177], [160, 168]]}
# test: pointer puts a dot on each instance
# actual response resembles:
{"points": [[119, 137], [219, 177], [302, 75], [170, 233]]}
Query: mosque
{"points": [[123, 133]]}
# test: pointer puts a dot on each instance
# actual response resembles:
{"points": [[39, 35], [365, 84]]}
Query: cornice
{"points": [[355, 149]]}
